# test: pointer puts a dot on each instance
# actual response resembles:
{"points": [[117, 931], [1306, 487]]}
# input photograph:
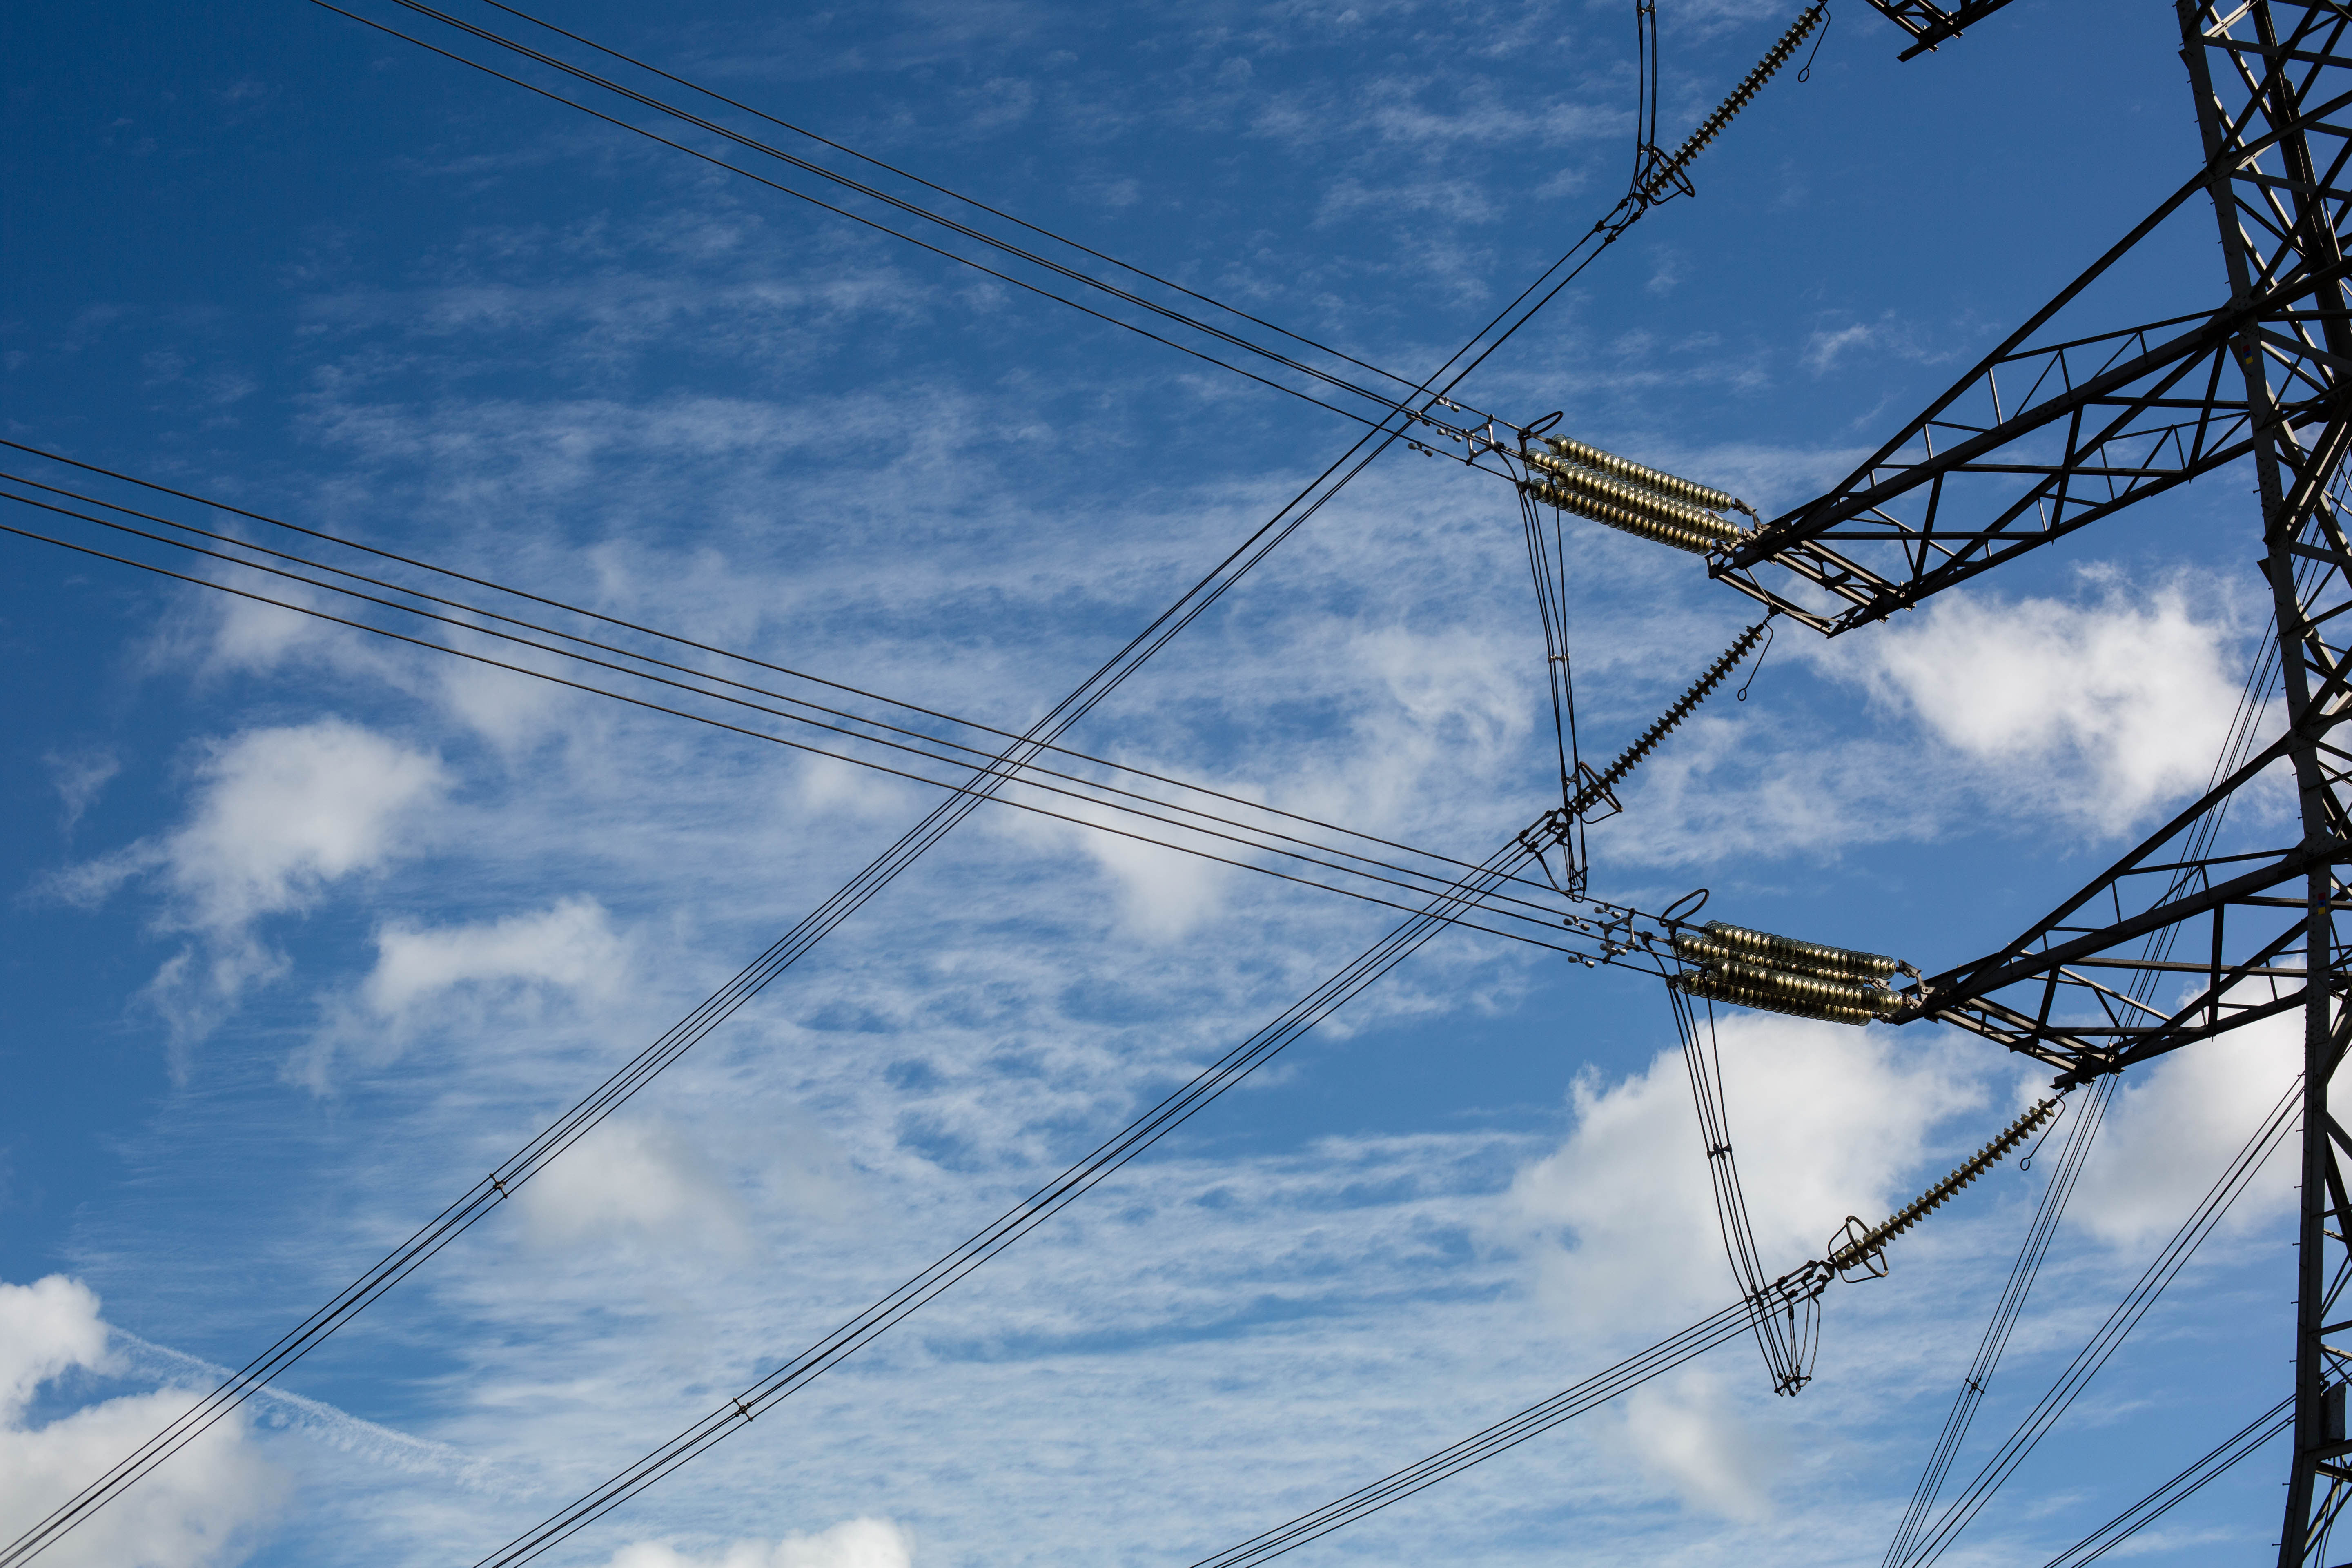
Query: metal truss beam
{"points": [[2184, 939], [2040, 439], [1929, 23], [2179, 942], [2276, 168]]}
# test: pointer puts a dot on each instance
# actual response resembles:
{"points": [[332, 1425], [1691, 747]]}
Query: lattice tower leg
{"points": [[2264, 76]]}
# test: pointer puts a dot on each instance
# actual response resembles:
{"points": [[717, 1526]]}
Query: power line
{"points": [[1388, 403], [623, 1083], [1730, 1324], [603, 619], [739, 1410], [2254, 701], [958, 196], [1930, 1543], [1073, 787], [2216, 1462]]}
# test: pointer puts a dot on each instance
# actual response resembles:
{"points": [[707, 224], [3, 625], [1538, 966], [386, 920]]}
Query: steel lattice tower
{"points": [[2043, 437]]}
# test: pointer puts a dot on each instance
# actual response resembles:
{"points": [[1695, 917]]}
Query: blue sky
{"points": [[305, 931]]}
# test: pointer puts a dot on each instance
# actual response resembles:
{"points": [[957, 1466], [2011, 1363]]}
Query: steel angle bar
{"points": [[1930, 25], [2042, 438]]}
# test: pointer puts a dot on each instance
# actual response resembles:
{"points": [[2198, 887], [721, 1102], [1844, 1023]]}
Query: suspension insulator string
{"points": [[1670, 173], [1602, 783], [1851, 1250]]}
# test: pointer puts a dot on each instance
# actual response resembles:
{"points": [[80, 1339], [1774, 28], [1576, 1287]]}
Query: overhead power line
{"points": [[1799, 1291], [2216, 1462], [741, 1409], [1218, 829], [1635, 1370], [1928, 1544], [911, 846], [687, 644], [1385, 402], [2253, 702], [1803, 1286]]}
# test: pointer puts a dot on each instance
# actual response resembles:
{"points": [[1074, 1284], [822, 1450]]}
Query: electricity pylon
{"points": [[2176, 942]]}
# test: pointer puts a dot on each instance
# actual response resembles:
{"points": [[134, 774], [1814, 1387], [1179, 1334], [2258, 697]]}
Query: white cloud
{"points": [[2091, 714], [1886, 337], [853, 1543], [200, 1508], [79, 776], [570, 945], [2175, 1125], [511, 971], [642, 1180], [278, 815], [2095, 711], [1825, 1118], [1690, 1435]]}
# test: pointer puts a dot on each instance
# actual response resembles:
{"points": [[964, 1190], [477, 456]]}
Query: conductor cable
{"points": [[740, 1408], [613, 621], [753, 978], [1501, 905]]}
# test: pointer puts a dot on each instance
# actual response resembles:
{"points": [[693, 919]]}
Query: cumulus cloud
{"points": [[2095, 711], [200, 1508], [1688, 1433], [2175, 1125], [853, 1543], [571, 944], [464, 976], [2093, 714], [646, 1182], [278, 815], [1826, 1120]]}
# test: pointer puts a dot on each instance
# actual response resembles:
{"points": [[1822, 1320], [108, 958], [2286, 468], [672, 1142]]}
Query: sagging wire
{"points": [[1547, 563], [1647, 154], [1787, 1329], [1807, 73], [2211, 1466], [1757, 668], [1930, 1543], [2254, 701], [1802, 1285], [2025, 1162], [1668, 178], [1596, 788]]}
